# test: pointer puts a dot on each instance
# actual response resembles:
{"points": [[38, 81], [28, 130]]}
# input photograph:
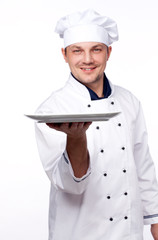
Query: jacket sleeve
{"points": [[52, 150], [146, 171]]}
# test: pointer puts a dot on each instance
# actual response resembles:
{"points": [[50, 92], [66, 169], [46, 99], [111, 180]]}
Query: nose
{"points": [[87, 58]]}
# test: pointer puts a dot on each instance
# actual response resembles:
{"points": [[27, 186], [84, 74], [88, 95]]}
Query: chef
{"points": [[103, 182]]}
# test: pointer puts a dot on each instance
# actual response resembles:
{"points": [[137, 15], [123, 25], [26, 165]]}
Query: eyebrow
{"points": [[98, 45], [75, 46], [79, 47]]}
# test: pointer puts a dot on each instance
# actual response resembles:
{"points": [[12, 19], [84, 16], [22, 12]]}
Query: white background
{"points": [[31, 67]]}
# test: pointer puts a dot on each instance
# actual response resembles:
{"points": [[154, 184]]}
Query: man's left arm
{"points": [[146, 175]]}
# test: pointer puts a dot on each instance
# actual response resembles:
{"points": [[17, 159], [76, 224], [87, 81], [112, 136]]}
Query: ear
{"points": [[109, 52], [64, 54]]}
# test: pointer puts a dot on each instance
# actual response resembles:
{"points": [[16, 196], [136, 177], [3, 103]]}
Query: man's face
{"points": [[87, 61]]}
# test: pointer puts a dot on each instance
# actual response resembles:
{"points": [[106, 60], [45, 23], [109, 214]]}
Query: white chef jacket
{"points": [[119, 192]]}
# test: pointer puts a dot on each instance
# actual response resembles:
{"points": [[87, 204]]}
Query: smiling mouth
{"points": [[88, 69]]}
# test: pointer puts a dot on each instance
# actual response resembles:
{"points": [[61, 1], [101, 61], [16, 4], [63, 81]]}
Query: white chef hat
{"points": [[87, 26]]}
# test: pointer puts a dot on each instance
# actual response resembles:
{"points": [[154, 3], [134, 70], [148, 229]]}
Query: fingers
{"points": [[79, 126], [58, 126], [76, 125], [70, 127], [55, 126], [87, 124]]}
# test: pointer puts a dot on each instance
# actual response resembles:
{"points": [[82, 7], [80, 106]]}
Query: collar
{"points": [[106, 89]]}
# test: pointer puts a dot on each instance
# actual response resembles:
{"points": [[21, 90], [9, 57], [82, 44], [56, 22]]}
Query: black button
{"points": [[105, 174], [89, 105], [108, 197], [119, 124], [125, 217], [112, 103], [126, 193], [124, 170], [102, 150], [123, 148], [111, 219], [97, 127]]}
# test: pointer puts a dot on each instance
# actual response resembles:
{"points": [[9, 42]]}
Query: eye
{"points": [[76, 51], [97, 50]]}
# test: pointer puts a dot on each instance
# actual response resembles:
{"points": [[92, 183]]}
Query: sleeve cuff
{"points": [[151, 219]]}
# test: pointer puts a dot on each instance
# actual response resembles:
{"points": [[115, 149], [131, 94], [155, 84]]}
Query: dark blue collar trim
{"points": [[106, 90]]}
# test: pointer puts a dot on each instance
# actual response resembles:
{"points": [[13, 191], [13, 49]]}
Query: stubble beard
{"points": [[95, 81]]}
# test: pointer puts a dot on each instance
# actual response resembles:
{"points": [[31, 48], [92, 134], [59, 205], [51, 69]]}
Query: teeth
{"points": [[87, 69]]}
